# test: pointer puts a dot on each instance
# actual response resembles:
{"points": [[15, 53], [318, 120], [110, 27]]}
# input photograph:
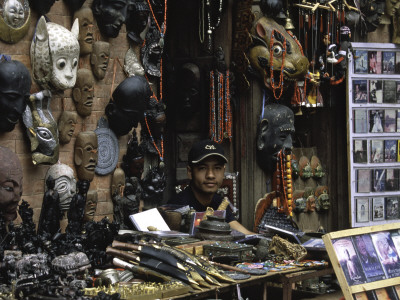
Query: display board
{"points": [[366, 261], [373, 109]]}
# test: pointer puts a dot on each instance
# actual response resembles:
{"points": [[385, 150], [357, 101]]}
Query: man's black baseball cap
{"points": [[204, 149]]}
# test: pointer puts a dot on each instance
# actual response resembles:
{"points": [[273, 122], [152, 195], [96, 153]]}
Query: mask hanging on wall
{"points": [[137, 19], [99, 59], [128, 105], [83, 92], [41, 129], [108, 149], [110, 16], [133, 160], [55, 55], [85, 155], [15, 84], [85, 17], [42, 7], [66, 126], [91, 205], [15, 18], [132, 63], [65, 183]]}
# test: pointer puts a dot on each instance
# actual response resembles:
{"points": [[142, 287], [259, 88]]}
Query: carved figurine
{"points": [[50, 214], [66, 126], [299, 201], [152, 51], [274, 133], [310, 199], [85, 155], [15, 84], [133, 160], [153, 184], [322, 202], [65, 183], [132, 64], [316, 168], [128, 203], [100, 58], [91, 205], [10, 182], [118, 182], [305, 168], [110, 16], [128, 104], [83, 92], [287, 249], [15, 18], [55, 55], [85, 17], [77, 208]]}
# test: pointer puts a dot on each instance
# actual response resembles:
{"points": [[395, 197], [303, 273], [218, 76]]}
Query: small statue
{"points": [[77, 208], [305, 168], [133, 160], [322, 202], [50, 213], [316, 167], [153, 184]]}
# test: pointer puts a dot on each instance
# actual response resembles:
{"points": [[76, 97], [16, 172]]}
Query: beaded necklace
{"points": [[210, 26]]}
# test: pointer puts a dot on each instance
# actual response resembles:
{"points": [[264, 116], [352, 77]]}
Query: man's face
{"points": [[207, 176], [361, 246], [85, 17], [110, 16], [100, 58], [66, 126], [83, 92], [85, 155], [10, 183]]}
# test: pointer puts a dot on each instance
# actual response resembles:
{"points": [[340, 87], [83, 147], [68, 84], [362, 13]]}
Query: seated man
{"points": [[206, 168]]}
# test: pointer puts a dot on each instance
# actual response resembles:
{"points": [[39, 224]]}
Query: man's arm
{"points": [[239, 227]]}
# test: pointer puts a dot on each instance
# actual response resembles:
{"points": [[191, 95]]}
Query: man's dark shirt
{"points": [[186, 197]]}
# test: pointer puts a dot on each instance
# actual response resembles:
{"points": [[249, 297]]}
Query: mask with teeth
{"points": [[85, 155], [83, 92]]}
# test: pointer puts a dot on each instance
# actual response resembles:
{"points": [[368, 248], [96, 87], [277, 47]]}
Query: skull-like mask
{"points": [[322, 202]]}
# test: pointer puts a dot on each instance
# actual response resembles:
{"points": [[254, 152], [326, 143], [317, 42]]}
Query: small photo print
{"points": [[360, 151], [389, 91], [398, 150], [392, 208], [392, 180], [362, 210], [376, 91], [390, 150], [379, 180], [376, 120], [372, 62], [398, 121], [390, 120], [378, 204], [359, 91], [388, 62], [377, 151], [363, 177], [397, 68], [361, 61], [397, 91], [360, 121]]}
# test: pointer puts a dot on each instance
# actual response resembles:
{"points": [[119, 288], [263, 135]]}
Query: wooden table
{"points": [[287, 278]]}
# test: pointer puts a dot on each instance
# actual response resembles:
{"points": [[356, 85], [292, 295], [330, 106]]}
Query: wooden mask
{"points": [[85, 155], [66, 126], [85, 17], [83, 92]]}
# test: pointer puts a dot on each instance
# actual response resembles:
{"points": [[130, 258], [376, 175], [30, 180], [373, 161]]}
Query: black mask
{"points": [[128, 104], [15, 84], [74, 5], [110, 15], [42, 7], [137, 17]]}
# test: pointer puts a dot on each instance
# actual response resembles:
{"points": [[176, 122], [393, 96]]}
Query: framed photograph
{"points": [[390, 120], [362, 207], [392, 208], [390, 150], [377, 151], [349, 261], [387, 253], [372, 62], [388, 62], [363, 180], [378, 206], [397, 91], [368, 257], [397, 68], [360, 91], [360, 151], [392, 180], [398, 121], [379, 180], [376, 91], [376, 120], [389, 91], [360, 121], [361, 61]]}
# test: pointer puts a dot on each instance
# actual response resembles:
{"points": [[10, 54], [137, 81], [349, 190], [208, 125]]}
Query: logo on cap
{"points": [[210, 147]]}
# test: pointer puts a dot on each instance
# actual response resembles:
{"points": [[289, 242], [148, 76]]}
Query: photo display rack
{"points": [[366, 261], [373, 114]]}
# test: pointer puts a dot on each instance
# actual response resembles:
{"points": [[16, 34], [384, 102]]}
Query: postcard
{"points": [[376, 91], [360, 121], [362, 210], [392, 208], [368, 257], [376, 120], [397, 91], [398, 121], [387, 253], [360, 151], [360, 91], [363, 180], [377, 151], [395, 235], [378, 204], [390, 120], [379, 180], [388, 62], [372, 62], [389, 91], [349, 261], [390, 150], [361, 61], [397, 68], [392, 180]]}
